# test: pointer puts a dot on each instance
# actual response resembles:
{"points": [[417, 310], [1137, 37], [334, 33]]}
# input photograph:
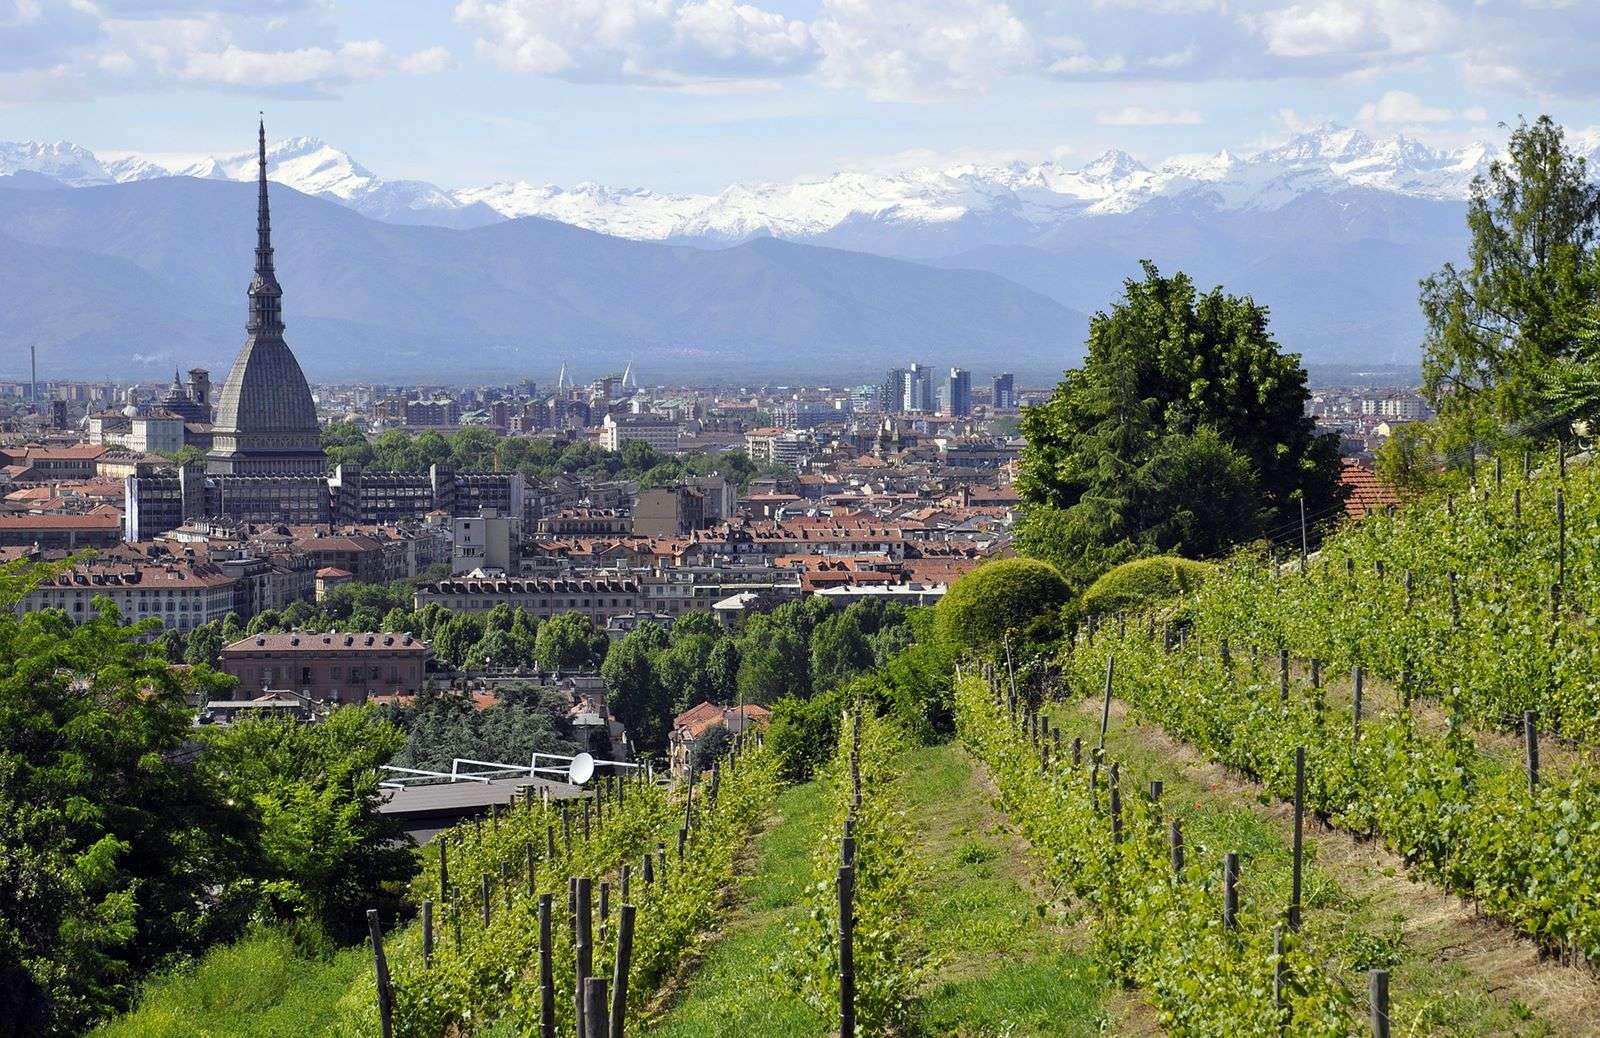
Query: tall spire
{"points": [[266, 314]]}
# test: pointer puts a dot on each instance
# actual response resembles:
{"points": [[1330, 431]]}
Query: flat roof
{"points": [[450, 797]]}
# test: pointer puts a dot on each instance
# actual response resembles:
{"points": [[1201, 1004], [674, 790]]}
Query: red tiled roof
{"points": [[1367, 493]]}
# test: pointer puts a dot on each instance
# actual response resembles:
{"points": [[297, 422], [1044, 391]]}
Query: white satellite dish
{"points": [[581, 769]]}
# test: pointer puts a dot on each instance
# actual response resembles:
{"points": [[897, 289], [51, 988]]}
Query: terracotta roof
{"points": [[95, 520], [1367, 493], [376, 641], [333, 573]]}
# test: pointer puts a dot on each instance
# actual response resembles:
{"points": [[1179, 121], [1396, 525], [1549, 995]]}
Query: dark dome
{"points": [[266, 392]]}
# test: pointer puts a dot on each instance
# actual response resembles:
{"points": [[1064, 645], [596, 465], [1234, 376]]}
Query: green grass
{"points": [[256, 987], [1001, 964], [730, 994]]}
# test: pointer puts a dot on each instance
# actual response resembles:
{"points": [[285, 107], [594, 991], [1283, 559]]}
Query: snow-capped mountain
{"points": [[1326, 160]]}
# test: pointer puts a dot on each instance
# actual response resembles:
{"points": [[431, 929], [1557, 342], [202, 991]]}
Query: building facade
{"points": [[329, 668]]}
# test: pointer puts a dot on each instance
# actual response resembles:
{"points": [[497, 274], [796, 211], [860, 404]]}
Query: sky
{"points": [[691, 95]]}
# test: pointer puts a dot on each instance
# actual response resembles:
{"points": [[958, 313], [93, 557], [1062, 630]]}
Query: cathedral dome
{"points": [[266, 392]]}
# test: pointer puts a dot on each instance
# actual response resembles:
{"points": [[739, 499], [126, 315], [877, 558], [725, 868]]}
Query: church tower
{"points": [[266, 421]]}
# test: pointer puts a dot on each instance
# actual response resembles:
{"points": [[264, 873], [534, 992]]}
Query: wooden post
{"points": [[1355, 704], [1305, 540], [1527, 465], [1316, 673], [605, 901], [586, 819], [1516, 502], [1455, 601], [1530, 737], [1299, 835], [583, 948], [505, 882], [1499, 473], [1175, 837], [532, 872], [427, 934], [1155, 791], [1561, 536], [627, 871], [1379, 990], [455, 914], [1105, 709], [444, 868], [847, 961], [385, 992], [549, 842], [1408, 582], [649, 871], [593, 1019], [547, 976], [619, 978], [1077, 751], [1230, 890], [1116, 806], [1283, 675], [483, 884]]}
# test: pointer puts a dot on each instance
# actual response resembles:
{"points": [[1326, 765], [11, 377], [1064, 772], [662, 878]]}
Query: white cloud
{"points": [[1135, 115], [1351, 28], [1402, 107], [659, 41], [83, 49], [427, 62], [918, 49]]}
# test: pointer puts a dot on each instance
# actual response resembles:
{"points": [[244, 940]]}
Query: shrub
{"points": [[1144, 582], [998, 597]]}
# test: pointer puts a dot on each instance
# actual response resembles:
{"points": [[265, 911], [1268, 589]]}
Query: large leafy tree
{"points": [[1184, 430], [113, 855], [639, 698], [323, 854], [1505, 330], [570, 641]]}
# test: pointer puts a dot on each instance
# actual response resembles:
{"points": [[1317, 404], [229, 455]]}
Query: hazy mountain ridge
{"points": [[154, 272]]}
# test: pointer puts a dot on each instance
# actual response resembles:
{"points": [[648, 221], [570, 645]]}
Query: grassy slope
{"points": [[1000, 966], [730, 994], [253, 988]]}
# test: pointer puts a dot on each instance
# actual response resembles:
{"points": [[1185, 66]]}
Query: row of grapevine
{"points": [[1486, 597], [1212, 966], [853, 956], [1526, 853], [489, 951]]}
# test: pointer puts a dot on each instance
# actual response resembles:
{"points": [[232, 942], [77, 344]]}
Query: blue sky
{"points": [[694, 94]]}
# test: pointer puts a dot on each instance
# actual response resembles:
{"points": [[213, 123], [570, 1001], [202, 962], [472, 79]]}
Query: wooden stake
{"points": [[385, 992]]}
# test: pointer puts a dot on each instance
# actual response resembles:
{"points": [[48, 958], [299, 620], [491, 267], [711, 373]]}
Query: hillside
{"points": [[165, 262]]}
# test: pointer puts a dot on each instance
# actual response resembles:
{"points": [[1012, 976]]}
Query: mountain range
{"points": [[1331, 229]]}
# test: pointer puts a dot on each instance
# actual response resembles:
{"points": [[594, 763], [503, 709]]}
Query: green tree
{"points": [[454, 638], [638, 696], [112, 857], [325, 855], [204, 644], [839, 650], [775, 656], [1409, 461], [1184, 430], [570, 641], [686, 669], [1499, 328], [996, 598]]}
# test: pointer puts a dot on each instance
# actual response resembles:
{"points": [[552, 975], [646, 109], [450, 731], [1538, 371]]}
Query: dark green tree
{"points": [[1183, 431], [638, 696], [570, 641], [1500, 329], [839, 649]]}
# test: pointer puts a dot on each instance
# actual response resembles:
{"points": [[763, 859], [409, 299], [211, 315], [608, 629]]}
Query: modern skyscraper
{"points": [[891, 395], [958, 393], [918, 394], [1005, 392], [266, 421]]}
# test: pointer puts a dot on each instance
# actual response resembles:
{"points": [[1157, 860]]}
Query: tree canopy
{"points": [[1183, 431], [1511, 335], [997, 597]]}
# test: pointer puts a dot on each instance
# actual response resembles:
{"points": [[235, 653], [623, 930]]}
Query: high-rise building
{"points": [[892, 394], [957, 395], [266, 421], [1004, 395], [917, 393]]}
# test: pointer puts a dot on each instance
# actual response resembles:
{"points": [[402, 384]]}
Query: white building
{"points": [[484, 542], [660, 433]]}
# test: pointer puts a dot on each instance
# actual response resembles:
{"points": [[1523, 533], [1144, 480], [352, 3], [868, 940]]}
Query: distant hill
{"points": [[140, 277]]}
